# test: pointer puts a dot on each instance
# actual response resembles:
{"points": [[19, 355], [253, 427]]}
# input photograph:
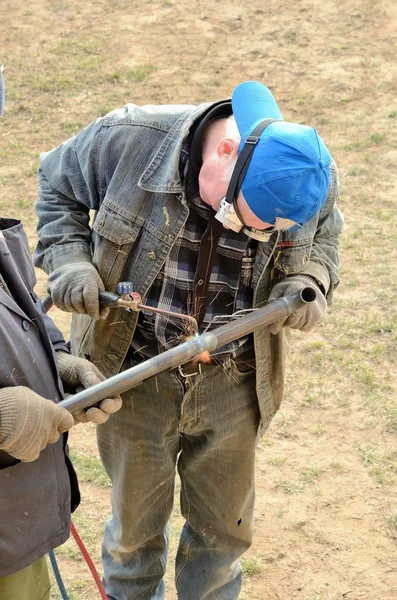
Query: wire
{"points": [[57, 574], [89, 562], [48, 305]]}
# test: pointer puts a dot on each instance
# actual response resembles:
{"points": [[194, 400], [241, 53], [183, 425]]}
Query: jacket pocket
{"points": [[113, 236], [292, 253], [34, 508]]}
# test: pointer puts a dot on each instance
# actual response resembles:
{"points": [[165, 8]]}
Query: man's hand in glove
{"points": [[75, 288], [307, 315], [29, 422], [80, 372]]}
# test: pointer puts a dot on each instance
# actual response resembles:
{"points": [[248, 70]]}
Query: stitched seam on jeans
{"points": [[177, 575], [154, 587], [186, 559]]}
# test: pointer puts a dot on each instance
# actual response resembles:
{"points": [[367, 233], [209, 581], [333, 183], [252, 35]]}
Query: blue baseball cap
{"points": [[2, 95], [288, 176]]}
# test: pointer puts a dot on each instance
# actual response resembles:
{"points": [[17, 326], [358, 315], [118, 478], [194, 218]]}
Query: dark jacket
{"points": [[35, 498]]}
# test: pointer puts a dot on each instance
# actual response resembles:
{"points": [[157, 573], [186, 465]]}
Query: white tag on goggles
{"points": [[228, 216], [228, 213]]}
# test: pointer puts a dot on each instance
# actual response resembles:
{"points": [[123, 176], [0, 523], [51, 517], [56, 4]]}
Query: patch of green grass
{"points": [[267, 441], [90, 469], [391, 420], [381, 475], [392, 520], [376, 138], [367, 454], [337, 467], [76, 590], [251, 566], [283, 419], [291, 35], [356, 172], [290, 487], [310, 400], [212, 83], [337, 48], [277, 460], [23, 203], [311, 474], [72, 127], [140, 73], [103, 110], [320, 429], [381, 465]]}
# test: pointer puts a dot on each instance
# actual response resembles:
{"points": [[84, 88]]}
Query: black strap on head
{"points": [[244, 159]]}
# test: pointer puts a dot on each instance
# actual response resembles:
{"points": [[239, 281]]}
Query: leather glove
{"points": [[76, 372], [75, 288], [306, 316], [28, 422]]}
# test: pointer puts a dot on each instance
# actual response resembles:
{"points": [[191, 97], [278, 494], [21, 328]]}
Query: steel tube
{"points": [[181, 354], [261, 317], [132, 377]]}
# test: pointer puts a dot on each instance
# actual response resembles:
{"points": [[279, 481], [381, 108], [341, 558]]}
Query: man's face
{"points": [[214, 178]]}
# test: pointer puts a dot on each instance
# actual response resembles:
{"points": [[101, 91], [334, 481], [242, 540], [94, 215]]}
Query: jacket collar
{"points": [[162, 173]]}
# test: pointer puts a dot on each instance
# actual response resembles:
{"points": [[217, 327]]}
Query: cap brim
{"points": [[252, 102]]}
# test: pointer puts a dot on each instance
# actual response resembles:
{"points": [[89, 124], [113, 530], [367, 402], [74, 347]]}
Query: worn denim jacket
{"points": [[125, 168]]}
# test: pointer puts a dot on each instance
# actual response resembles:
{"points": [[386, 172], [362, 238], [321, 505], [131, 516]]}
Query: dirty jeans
{"points": [[206, 425]]}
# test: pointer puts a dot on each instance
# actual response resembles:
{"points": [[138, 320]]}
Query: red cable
{"points": [[48, 305], [89, 562]]}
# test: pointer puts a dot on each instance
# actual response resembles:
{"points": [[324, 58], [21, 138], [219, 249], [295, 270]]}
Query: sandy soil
{"points": [[326, 513]]}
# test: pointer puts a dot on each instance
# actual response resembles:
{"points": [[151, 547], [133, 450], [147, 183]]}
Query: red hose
{"points": [[89, 562], [48, 304]]}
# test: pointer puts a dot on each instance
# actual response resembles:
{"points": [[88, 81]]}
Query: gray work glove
{"points": [[77, 372], [307, 315], [28, 422], [75, 288]]}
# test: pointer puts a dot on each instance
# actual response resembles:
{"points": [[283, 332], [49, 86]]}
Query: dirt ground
{"points": [[326, 509]]}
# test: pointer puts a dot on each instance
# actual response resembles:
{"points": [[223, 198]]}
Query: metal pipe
{"points": [[181, 354]]}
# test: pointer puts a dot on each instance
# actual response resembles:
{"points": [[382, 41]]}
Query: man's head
{"points": [[277, 172]]}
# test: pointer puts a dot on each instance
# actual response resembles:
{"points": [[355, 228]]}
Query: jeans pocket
{"points": [[243, 368]]}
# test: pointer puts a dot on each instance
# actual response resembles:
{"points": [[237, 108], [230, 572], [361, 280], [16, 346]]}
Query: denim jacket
{"points": [[125, 168]]}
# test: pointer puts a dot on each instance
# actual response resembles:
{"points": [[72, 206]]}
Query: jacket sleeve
{"points": [[56, 337], [69, 188], [323, 263]]}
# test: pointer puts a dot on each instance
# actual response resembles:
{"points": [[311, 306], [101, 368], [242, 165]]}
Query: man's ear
{"points": [[228, 147]]}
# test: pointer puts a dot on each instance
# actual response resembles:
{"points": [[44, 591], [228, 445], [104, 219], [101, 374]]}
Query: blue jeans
{"points": [[206, 425]]}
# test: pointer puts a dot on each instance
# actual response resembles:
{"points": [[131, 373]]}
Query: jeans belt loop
{"points": [[185, 375]]}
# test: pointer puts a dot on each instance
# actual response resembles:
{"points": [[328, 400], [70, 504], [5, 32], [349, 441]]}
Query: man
{"points": [[38, 487], [208, 210]]}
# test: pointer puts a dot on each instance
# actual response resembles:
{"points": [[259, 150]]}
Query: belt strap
{"points": [[208, 246]]}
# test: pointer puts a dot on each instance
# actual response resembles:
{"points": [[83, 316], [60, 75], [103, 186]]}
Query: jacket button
{"points": [[151, 255], [25, 325]]}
